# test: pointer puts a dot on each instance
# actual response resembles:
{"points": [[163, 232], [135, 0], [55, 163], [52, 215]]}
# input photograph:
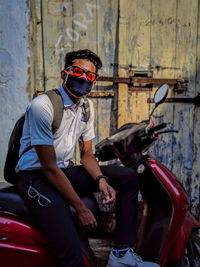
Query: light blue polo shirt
{"points": [[37, 130]]}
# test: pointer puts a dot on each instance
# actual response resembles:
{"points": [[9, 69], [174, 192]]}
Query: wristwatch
{"points": [[100, 177]]}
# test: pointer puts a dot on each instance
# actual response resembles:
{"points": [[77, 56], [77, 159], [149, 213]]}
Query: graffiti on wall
{"points": [[79, 19]]}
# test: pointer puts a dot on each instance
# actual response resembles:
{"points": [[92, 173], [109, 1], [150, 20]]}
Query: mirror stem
{"points": [[156, 105]]}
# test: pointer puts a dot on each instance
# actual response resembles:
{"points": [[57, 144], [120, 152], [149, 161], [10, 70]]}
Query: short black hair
{"points": [[83, 54]]}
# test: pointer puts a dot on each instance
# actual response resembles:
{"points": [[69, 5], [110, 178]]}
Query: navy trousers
{"points": [[55, 218]]}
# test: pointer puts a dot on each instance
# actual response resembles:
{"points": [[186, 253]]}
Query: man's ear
{"points": [[63, 75], [94, 83]]}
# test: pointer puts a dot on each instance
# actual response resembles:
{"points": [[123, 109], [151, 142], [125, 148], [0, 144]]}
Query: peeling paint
{"points": [[6, 67]]}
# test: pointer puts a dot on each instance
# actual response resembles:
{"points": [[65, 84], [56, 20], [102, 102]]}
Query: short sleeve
{"points": [[40, 117]]}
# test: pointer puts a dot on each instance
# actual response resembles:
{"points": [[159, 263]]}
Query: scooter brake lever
{"points": [[148, 128], [168, 131]]}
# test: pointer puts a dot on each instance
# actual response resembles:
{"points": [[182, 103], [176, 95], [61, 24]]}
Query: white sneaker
{"points": [[130, 259]]}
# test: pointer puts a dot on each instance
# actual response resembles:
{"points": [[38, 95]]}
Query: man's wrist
{"points": [[80, 207], [99, 177]]}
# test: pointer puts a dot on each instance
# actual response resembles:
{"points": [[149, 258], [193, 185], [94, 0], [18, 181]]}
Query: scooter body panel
{"points": [[180, 206], [23, 243]]}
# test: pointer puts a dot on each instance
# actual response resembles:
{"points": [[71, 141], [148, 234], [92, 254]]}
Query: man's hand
{"points": [[87, 218], [108, 192]]}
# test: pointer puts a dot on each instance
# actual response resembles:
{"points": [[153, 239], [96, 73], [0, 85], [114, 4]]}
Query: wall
{"points": [[14, 52]]}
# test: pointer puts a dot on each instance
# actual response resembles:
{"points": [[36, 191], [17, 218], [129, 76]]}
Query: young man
{"points": [[45, 170]]}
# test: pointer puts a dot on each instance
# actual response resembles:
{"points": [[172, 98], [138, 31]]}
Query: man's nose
{"points": [[84, 75]]}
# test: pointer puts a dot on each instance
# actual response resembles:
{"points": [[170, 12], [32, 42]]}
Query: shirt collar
{"points": [[66, 99]]}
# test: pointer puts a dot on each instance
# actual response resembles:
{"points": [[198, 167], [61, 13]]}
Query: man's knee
{"points": [[121, 177], [130, 180]]}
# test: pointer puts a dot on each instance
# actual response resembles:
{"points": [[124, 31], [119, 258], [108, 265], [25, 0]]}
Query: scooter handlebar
{"points": [[156, 128]]}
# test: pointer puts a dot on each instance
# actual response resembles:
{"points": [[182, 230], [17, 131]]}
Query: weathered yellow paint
{"points": [[134, 54], [122, 89], [36, 77]]}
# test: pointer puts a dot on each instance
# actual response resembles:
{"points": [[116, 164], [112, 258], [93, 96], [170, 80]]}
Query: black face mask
{"points": [[78, 86]]}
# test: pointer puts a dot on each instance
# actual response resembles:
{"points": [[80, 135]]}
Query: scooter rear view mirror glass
{"points": [[161, 94]]}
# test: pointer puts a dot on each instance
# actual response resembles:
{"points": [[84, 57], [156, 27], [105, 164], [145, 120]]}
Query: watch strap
{"points": [[100, 177]]}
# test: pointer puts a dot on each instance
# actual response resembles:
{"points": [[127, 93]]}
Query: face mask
{"points": [[78, 86]]}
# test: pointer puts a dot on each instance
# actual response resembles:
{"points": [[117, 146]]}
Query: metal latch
{"points": [[139, 81], [193, 100]]}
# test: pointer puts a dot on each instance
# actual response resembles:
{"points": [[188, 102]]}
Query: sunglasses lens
{"points": [[91, 76], [77, 71]]}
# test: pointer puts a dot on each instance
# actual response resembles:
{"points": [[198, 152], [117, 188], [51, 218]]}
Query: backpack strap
{"points": [[58, 107], [86, 106]]}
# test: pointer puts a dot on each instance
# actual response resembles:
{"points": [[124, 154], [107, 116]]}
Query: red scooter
{"points": [[168, 233]]}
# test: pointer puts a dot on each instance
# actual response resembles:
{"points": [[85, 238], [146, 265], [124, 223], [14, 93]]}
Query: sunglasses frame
{"points": [[84, 71], [39, 195]]}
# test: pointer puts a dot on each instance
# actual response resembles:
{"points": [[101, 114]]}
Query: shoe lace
{"points": [[137, 257]]}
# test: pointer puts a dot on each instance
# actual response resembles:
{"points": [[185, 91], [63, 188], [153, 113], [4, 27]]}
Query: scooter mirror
{"points": [[161, 94]]}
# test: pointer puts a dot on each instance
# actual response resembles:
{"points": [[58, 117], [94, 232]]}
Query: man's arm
{"points": [[47, 158], [92, 167]]}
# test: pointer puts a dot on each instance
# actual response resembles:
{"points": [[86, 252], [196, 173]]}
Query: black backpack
{"points": [[12, 157]]}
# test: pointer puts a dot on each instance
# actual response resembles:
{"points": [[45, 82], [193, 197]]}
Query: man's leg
{"points": [[122, 179], [125, 181], [54, 218]]}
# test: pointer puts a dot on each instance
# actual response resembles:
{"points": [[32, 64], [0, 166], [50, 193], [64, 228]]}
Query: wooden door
{"points": [[163, 37]]}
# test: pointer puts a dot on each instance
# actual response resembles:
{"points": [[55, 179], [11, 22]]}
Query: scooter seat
{"points": [[12, 202]]}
